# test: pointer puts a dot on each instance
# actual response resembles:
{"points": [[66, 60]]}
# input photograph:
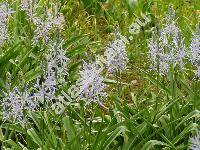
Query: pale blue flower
{"points": [[60, 60], [91, 84], [30, 7], [17, 103], [4, 13], [195, 50], [167, 48], [45, 24], [195, 142], [55, 71], [116, 56]]}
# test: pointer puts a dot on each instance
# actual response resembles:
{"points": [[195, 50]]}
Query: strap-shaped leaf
{"points": [[113, 136], [195, 113], [152, 143], [35, 137]]}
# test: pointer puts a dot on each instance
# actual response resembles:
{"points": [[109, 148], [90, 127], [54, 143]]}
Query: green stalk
{"points": [[91, 118]]}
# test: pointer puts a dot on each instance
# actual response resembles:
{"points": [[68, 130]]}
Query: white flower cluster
{"points": [[16, 103], [55, 72], [29, 6], [59, 60], [91, 84], [4, 14], [46, 88], [45, 22], [195, 142], [116, 56], [167, 48], [45, 26], [90, 87], [195, 50], [25, 5]]}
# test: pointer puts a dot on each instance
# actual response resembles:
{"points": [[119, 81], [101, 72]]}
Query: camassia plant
{"points": [[59, 92]]}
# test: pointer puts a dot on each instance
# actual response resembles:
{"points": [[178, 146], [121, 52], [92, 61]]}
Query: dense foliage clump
{"points": [[96, 74]]}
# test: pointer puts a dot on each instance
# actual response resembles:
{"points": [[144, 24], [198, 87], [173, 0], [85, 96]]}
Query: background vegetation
{"points": [[148, 112]]}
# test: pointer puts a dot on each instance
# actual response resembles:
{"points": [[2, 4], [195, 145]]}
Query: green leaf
{"points": [[152, 143], [195, 113], [69, 43], [14, 127], [113, 136], [13, 144], [184, 133], [71, 132], [1, 135], [35, 137]]}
